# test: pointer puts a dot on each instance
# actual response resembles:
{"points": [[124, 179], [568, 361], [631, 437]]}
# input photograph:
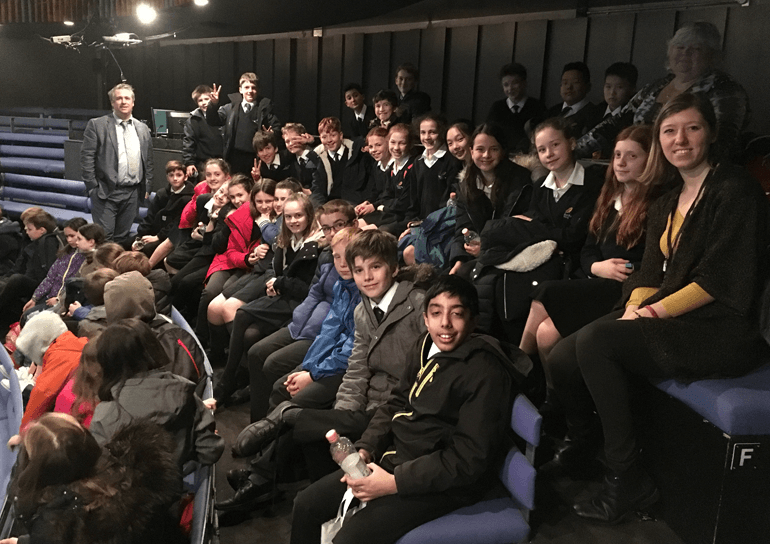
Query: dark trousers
{"points": [[383, 521], [116, 214], [593, 367], [268, 360], [318, 394], [17, 291], [187, 285]]}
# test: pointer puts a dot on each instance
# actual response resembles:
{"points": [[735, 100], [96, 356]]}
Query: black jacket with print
{"points": [[443, 428]]}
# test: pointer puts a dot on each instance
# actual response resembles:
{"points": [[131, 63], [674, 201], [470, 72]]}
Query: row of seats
{"points": [[32, 172]]}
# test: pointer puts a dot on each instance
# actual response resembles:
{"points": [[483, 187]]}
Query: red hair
{"points": [[630, 224]]}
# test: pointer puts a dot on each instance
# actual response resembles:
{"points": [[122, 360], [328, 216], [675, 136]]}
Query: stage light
{"points": [[146, 14], [201, 2], [69, 23]]}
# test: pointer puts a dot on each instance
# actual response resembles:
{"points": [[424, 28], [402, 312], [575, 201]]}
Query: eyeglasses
{"points": [[339, 225]]}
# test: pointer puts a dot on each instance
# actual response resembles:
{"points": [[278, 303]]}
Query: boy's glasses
{"points": [[339, 225]]}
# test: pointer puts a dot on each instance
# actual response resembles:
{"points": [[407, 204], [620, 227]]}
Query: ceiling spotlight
{"points": [[68, 23], [201, 2], [146, 14]]}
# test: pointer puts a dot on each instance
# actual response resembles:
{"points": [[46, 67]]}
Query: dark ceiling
{"points": [[227, 18]]}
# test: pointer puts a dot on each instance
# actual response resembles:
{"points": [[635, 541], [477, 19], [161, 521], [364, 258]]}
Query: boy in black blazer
{"points": [[361, 115], [513, 112], [581, 112]]}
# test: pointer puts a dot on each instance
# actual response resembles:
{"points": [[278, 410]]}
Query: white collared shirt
{"points": [[384, 167], [387, 298], [398, 165], [613, 112], [303, 156], [429, 162], [360, 116], [124, 178], [575, 178], [276, 161], [483, 187], [576, 107], [520, 103]]}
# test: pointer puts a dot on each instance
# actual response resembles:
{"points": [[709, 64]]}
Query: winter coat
{"points": [[38, 257], [189, 214], [125, 502], [164, 211], [201, 141], [328, 354], [377, 360], [442, 429], [243, 238], [309, 315], [474, 214], [60, 361], [66, 266], [168, 400]]}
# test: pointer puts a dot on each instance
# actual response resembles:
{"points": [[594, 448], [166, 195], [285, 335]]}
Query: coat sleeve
{"points": [[56, 272], [208, 445], [590, 254], [376, 437], [352, 392], [465, 457], [217, 116], [189, 144], [88, 155], [336, 361], [149, 165]]}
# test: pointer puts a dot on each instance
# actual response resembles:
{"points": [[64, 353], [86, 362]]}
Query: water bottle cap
{"points": [[331, 436]]}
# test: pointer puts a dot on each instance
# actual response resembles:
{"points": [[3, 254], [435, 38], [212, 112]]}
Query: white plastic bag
{"points": [[330, 529]]}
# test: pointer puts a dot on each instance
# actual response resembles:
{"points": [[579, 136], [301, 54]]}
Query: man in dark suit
{"points": [[513, 112], [575, 84], [246, 113], [411, 102], [116, 160]]}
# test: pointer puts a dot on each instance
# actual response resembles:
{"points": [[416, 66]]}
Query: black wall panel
{"points": [[460, 81], [458, 64], [377, 62], [529, 50], [353, 62], [306, 78], [432, 64], [653, 30], [566, 43], [495, 50], [404, 47], [330, 101], [263, 63], [609, 41]]}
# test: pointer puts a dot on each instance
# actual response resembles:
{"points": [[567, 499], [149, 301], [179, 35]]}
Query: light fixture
{"points": [[201, 2], [69, 23], [146, 14]]}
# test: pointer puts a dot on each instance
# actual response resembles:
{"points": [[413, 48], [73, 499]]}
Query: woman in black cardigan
{"points": [[690, 311]]}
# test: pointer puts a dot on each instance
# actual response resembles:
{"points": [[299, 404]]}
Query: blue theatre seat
{"points": [[495, 521]]}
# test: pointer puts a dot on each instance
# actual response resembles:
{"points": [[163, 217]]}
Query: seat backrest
{"points": [[10, 420], [518, 473]]}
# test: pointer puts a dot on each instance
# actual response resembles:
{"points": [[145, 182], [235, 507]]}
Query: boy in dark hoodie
{"points": [[435, 445]]}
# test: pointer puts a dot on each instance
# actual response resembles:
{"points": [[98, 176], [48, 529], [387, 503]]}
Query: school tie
{"points": [[379, 314], [565, 111], [133, 154], [247, 107], [515, 108]]}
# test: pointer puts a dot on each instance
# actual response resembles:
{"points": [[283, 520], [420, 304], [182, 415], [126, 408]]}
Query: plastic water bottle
{"points": [[471, 237], [345, 455]]}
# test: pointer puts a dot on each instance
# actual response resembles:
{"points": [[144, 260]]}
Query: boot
{"points": [[621, 493]]}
